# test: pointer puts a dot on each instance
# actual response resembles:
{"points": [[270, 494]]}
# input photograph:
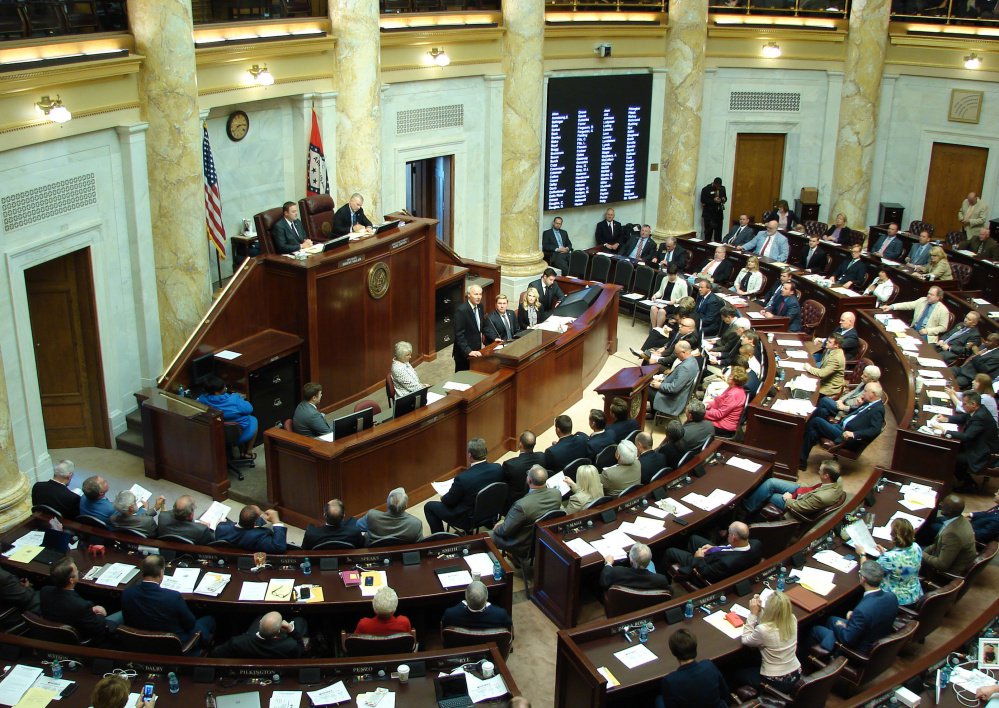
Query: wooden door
{"points": [[430, 193], [759, 167], [955, 170], [67, 351]]}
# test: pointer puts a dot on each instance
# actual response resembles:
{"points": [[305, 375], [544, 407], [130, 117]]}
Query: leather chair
{"points": [[490, 504], [916, 226], [570, 469], [862, 667], [644, 278], [854, 377], [11, 621], [620, 600], [49, 631], [961, 273], [597, 502], [811, 690], [955, 237], [88, 520], [526, 561], [578, 261], [142, 641], [264, 222], [628, 490], [45, 509], [370, 645], [848, 449], [606, 457], [387, 541], [812, 519], [233, 432], [775, 536], [930, 609], [600, 268], [367, 403], [390, 389], [174, 538], [814, 228], [622, 274], [441, 536], [288, 425], [812, 314], [333, 545], [465, 637], [862, 347], [977, 566], [316, 213]]}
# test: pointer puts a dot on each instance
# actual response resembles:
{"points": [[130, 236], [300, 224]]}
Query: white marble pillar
{"points": [[867, 43], [523, 122], [359, 117], [681, 134], [15, 502]]}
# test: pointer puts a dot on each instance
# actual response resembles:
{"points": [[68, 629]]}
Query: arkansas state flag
{"points": [[317, 181]]}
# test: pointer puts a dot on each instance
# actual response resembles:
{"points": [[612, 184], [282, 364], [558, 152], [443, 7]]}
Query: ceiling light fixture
{"points": [[972, 61], [261, 76], [771, 50], [439, 57], [53, 109]]}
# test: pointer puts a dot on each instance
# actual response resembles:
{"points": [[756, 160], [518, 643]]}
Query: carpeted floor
{"points": [[533, 659]]}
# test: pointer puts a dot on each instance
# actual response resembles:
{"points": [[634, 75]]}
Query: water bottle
{"points": [[497, 570], [781, 579], [306, 567], [174, 683], [944, 675], [643, 633], [210, 700], [688, 610], [56, 670]]}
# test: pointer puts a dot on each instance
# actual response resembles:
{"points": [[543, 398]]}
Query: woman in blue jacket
{"points": [[235, 409]]}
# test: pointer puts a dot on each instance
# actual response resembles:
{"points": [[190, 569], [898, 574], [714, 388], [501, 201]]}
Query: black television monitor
{"points": [[411, 401], [336, 243], [201, 366], [578, 302], [353, 423]]}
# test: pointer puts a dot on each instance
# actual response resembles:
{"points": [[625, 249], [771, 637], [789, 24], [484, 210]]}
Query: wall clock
{"points": [[237, 126]]}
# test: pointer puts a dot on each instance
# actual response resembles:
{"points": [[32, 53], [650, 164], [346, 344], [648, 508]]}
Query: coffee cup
{"points": [[488, 669], [403, 673]]}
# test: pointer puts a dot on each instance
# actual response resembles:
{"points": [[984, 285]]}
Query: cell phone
{"points": [[305, 593], [147, 692], [369, 581], [678, 520]]}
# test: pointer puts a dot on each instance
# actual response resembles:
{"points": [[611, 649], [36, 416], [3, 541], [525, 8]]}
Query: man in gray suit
{"points": [[626, 472], [307, 419], [129, 514], [514, 532], [394, 522], [673, 391], [958, 342]]}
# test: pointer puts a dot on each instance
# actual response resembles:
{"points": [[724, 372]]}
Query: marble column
{"points": [[15, 502], [168, 96], [523, 98], [867, 43], [358, 103], [684, 99]]}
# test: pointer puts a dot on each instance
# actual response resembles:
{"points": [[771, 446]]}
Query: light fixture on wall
{"points": [[771, 50], [439, 57], [53, 109], [260, 75], [972, 61]]}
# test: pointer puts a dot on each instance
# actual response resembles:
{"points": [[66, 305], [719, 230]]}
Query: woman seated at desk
{"points": [[725, 411], [672, 290], [235, 409], [749, 281], [785, 218], [530, 312], [939, 266], [901, 563], [982, 385], [838, 232], [585, 489], [881, 288], [404, 376]]}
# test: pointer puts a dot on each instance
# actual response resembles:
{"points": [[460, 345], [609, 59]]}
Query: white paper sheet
{"points": [[656, 512], [387, 701], [480, 690], [938, 410], [183, 580], [818, 581], [931, 374], [916, 521], [480, 563], [717, 498], [56, 686], [744, 464], [580, 547], [557, 481], [455, 579], [740, 610], [252, 592], [212, 584], [286, 699], [930, 362], [794, 365], [442, 487], [381, 580], [32, 538], [882, 532], [434, 397], [141, 493], [215, 513], [797, 353], [227, 354], [330, 695], [608, 549], [635, 655], [115, 574], [835, 560], [860, 535], [789, 342], [718, 621], [18, 681], [619, 538], [456, 386]]}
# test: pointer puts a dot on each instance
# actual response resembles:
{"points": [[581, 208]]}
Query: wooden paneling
{"points": [[955, 170], [759, 167]]}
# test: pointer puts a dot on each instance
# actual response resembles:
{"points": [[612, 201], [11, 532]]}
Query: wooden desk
{"points": [[560, 573], [359, 674], [581, 651]]}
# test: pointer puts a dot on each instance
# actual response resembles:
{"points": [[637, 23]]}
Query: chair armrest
{"points": [[191, 643], [779, 697], [745, 693], [770, 512], [851, 654], [675, 571], [909, 614]]}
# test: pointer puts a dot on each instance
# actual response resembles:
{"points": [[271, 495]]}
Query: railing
{"points": [[26, 19]]}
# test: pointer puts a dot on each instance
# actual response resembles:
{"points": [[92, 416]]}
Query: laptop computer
{"points": [[250, 699], [452, 691]]}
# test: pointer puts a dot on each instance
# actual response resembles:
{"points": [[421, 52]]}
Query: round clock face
{"points": [[237, 126]]}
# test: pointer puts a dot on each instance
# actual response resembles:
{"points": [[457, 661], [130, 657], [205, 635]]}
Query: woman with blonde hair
{"points": [[939, 267], [774, 629], [749, 281], [530, 312], [838, 232], [585, 489], [901, 563]]}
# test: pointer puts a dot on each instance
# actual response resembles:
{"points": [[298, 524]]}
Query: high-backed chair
{"points": [[812, 314], [49, 631], [333, 545], [606, 457], [600, 268], [264, 222], [644, 278], [490, 503], [578, 260], [916, 226], [233, 432], [371, 645], [622, 274], [620, 600], [862, 347], [526, 560], [956, 237], [142, 641], [46, 509], [316, 213], [814, 228], [848, 449], [961, 273], [862, 667], [570, 469], [775, 536], [930, 609], [977, 566], [367, 403], [465, 637], [79, 16], [853, 378], [390, 389], [811, 690]]}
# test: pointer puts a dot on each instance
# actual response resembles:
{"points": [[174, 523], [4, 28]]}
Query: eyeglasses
{"points": [[127, 674]]}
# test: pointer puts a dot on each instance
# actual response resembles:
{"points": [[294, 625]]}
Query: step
{"points": [[131, 442]]}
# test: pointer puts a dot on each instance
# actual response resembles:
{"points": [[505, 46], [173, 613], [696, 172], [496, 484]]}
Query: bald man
{"points": [[269, 637], [469, 319], [716, 563]]}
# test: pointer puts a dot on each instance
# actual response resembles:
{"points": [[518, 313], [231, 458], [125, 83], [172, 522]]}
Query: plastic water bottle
{"points": [[497, 570], [643, 633], [306, 567], [688, 610], [210, 700], [174, 683], [56, 670], [944, 675], [781, 579]]}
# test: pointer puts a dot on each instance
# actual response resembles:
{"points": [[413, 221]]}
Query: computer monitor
{"points": [[388, 226], [336, 243], [201, 366], [411, 401], [353, 423]]}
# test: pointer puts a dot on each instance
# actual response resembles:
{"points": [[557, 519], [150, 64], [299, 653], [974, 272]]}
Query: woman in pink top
{"points": [[725, 410]]}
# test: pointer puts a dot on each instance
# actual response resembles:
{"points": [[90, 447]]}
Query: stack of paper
{"points": [[557, 481], [452, 579], [214, 514], [480, 563], [183, 580], [442, 488], [711, 502], [895, 325], [455, 386], [941, 410], [859, 535], [743, 464], [796, 365], [285, 699], [279, 590], [379, 580], [480, 690], [797, 353], [931, 362], [643, 527], [116, 573], [24, 553], [804, 383], [331, 695], [17, 683], [212, 584], [580, 547], [387, 700], [931, 374], [816, 580], [635, 656], [252, 592], [794, 406], [835, 560], [845, 291], [789, 342]]}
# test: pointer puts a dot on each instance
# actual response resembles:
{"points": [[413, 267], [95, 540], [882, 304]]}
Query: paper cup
{"points": [[487, 669], [403, 673]]}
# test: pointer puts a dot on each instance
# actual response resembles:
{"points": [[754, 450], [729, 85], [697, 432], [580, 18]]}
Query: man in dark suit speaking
{"points": [[350, 217], [469, 322], [288, 234], [455, 507], [555, 245]]}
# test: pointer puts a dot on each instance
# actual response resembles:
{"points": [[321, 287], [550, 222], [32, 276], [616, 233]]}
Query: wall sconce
{"points": [[261, 76], [972, 61], [771, 50], [53, 109], [439, 57]]}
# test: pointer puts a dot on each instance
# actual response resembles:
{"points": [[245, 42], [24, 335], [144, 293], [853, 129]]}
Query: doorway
{"points": [[67, 351], [430, 193], [759, 168], [955, 170]]}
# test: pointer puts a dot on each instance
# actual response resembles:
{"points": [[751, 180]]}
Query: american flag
{"points": [[213, 202], [316, 181]]}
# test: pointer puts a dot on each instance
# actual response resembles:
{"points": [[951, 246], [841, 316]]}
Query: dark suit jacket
{"points": [[669, 353], [978, 436], [515, 474], [67, 607], [671, 452], [258, 538], [895, 250], [608, 234], [491, 617], [13, 593], [634, 578], [494, 328], [341, 220], [853, 271], [845, 235], [651, 461], [565, 450], [788, 307], [988, 248], [148, 606], [553, 295], [549, 244], [818, 261], [680, 258], [722, 274], [598, 441], [249, 646], [959, 345], [727, 337], [347, 531], [851, 342], [191, 530], [987, 363], [867, 425], [871, 620], [285, 240], [621, 429], [709, 310], [737, 237], [696, 684], [723, 564], [467, 335], [56, 495], [985, 524], [649, 250], [460, 498]]}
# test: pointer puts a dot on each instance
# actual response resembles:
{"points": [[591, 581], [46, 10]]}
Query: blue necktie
{"points": [[353, 218], [921, 322], [956, 334], [558, 238]]}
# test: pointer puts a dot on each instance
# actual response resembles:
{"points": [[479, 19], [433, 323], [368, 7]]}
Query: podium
{"points": [[631, 384]]}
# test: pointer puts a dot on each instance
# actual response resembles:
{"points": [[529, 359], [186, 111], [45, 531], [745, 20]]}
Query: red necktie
{"points": [[766, 245]]}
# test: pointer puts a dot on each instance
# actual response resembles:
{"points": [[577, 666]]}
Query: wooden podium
{"points": [[631, 384]]}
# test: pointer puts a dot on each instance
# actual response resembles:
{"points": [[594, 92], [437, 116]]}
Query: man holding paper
{"points": [[808, 500], [636, 575], [515, 532]]}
